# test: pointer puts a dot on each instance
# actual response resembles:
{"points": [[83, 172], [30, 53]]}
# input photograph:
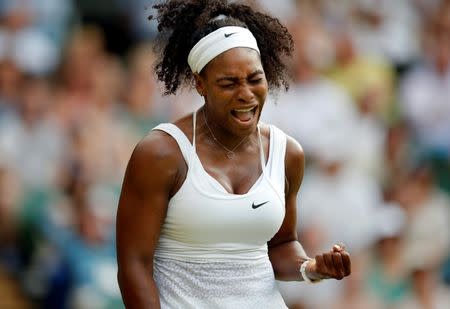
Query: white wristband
{"points": [[303, 273]]}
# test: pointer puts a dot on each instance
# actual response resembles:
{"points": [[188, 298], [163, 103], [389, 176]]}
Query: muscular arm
{"points": [[150, 176], [285, 252]]}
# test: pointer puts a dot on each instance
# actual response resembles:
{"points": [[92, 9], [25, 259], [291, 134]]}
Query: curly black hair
{"points": [[182, 23]]}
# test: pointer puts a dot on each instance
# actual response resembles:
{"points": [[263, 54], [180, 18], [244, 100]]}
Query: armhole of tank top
{"points": [[183, 142]]}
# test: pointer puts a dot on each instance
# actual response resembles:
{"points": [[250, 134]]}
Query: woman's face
{"points": [[235, 87]]}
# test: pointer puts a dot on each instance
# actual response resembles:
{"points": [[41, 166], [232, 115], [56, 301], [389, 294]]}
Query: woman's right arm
{"points": [[151, 175]]}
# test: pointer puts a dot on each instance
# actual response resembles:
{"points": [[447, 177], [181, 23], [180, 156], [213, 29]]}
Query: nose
{"points": [[245, 93]]}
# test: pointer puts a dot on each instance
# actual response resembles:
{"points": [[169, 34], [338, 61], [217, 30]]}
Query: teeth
{"points": [[244, 110]]}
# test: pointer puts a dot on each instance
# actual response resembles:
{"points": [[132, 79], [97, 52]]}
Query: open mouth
{"points": [[244, 114]]}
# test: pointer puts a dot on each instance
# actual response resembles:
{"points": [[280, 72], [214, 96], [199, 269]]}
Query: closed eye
{"points": [[226, 86], [256, 81]]}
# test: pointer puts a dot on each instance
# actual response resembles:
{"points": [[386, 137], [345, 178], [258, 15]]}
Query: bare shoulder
{"points": [[294, 164], [294, 152], [157, 146], [156, 154]]}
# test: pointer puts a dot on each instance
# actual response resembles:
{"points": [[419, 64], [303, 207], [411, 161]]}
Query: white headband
{"points": [[217, 42]]}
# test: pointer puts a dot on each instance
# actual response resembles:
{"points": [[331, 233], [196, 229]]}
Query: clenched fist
{"points": [[333, 264]]}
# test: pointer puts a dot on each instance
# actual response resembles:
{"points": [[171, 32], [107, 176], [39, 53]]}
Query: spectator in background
{"points": [[31, 138], [386, 29], [53, 18], [428, 215], [143, 105], [85, 49], [425, 91], [90, 91], [369, 81], [32, 33]]}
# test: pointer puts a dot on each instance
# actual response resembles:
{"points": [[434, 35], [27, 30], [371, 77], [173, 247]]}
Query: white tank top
{"points": [[205, 222]]}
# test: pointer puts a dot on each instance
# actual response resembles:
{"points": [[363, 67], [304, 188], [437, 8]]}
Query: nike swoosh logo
{"points": [[254, 206], [229, 34]]}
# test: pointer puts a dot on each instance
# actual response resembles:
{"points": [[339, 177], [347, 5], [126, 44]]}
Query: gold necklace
{"points": [[228, 152]]}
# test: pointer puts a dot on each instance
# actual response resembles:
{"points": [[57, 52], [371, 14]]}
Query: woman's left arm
{"points": [[285, 251]]}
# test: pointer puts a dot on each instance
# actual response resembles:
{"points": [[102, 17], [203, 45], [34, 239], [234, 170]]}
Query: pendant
{"points": [[230, 155]]}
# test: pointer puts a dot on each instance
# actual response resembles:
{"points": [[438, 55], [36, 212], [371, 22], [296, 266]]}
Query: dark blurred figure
{"points": [[112, 18], [11, 261]]}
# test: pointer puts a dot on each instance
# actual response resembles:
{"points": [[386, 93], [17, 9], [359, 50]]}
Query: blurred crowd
{"points": [[369, 103]]}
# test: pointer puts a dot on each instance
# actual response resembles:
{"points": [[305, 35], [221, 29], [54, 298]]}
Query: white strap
{"points": [[262, 156], [181, 139], [278, 151], [276, 164]]}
